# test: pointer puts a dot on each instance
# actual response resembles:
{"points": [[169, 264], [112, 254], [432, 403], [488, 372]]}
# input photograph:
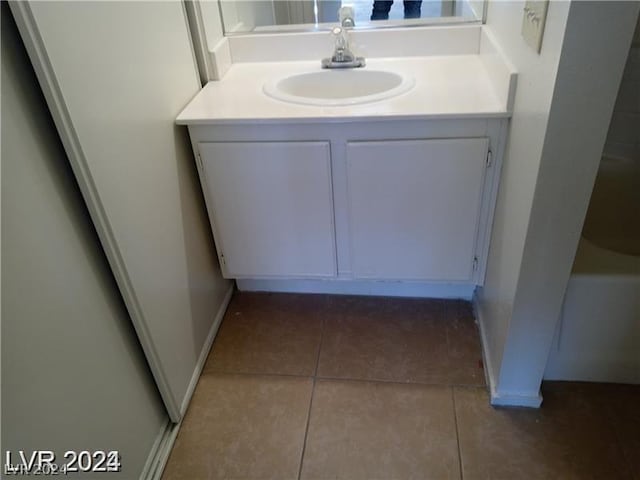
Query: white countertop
{"points": [[454, 86]]}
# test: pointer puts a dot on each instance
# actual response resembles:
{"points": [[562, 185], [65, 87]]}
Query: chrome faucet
{"points": [[345, 16], [342, 56]]}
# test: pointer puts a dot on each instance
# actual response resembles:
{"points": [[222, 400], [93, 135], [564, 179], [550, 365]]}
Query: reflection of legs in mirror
{"points": [[412, 8], [381, 9]]}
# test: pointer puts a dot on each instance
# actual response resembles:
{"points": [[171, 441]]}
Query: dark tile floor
{"points": [[339, 387]]}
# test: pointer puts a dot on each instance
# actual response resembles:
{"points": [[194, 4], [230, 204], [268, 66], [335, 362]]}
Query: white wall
{"points": [[536, 79], [563, 106], [73, 373], [116, 74]]}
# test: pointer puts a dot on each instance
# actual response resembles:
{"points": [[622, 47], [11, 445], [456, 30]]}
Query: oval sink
{"points": [[338, 87]]}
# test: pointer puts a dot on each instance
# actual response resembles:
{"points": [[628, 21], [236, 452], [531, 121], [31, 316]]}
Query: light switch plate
{"points": [[533, 20]]}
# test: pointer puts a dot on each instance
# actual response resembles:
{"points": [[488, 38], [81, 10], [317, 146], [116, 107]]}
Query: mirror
{"points": [[277, 16]]}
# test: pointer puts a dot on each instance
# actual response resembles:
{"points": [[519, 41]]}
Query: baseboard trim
{"points": [[498, 399], [361, 287], [160, 451], [509, 400], [204, 353], [486, 357]]}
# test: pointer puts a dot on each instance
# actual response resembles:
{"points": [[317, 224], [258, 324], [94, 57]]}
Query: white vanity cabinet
{"points": [[387, 197], [414, 207], [271, 207], [358, 201]]}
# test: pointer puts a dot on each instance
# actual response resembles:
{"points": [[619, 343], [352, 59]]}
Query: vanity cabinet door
{"points": [[271, 207], [414, 207]]}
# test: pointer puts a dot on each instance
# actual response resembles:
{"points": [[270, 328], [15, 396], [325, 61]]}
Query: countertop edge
{"points": [[343, 119]]}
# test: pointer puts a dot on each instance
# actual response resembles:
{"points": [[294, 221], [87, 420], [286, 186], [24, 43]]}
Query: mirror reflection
{"points": [[263, 16]]}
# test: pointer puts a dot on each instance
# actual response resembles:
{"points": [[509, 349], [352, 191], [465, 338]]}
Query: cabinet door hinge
{"points": [[475, 263], [489, 158], [199, 160], [223, 263]]}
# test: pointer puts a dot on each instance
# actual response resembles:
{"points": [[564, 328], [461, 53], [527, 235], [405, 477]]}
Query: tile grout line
{"points": [[313, 391], [257, 374], [322, 328], [306, 430], [455, 421], [398, 382], [347, 379]]}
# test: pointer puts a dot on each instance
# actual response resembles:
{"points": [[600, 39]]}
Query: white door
{"points": [[115, 76], [414, 207], [271, 207]]}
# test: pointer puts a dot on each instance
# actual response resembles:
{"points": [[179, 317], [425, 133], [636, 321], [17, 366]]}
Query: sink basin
{"points": [[338, 87]]}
